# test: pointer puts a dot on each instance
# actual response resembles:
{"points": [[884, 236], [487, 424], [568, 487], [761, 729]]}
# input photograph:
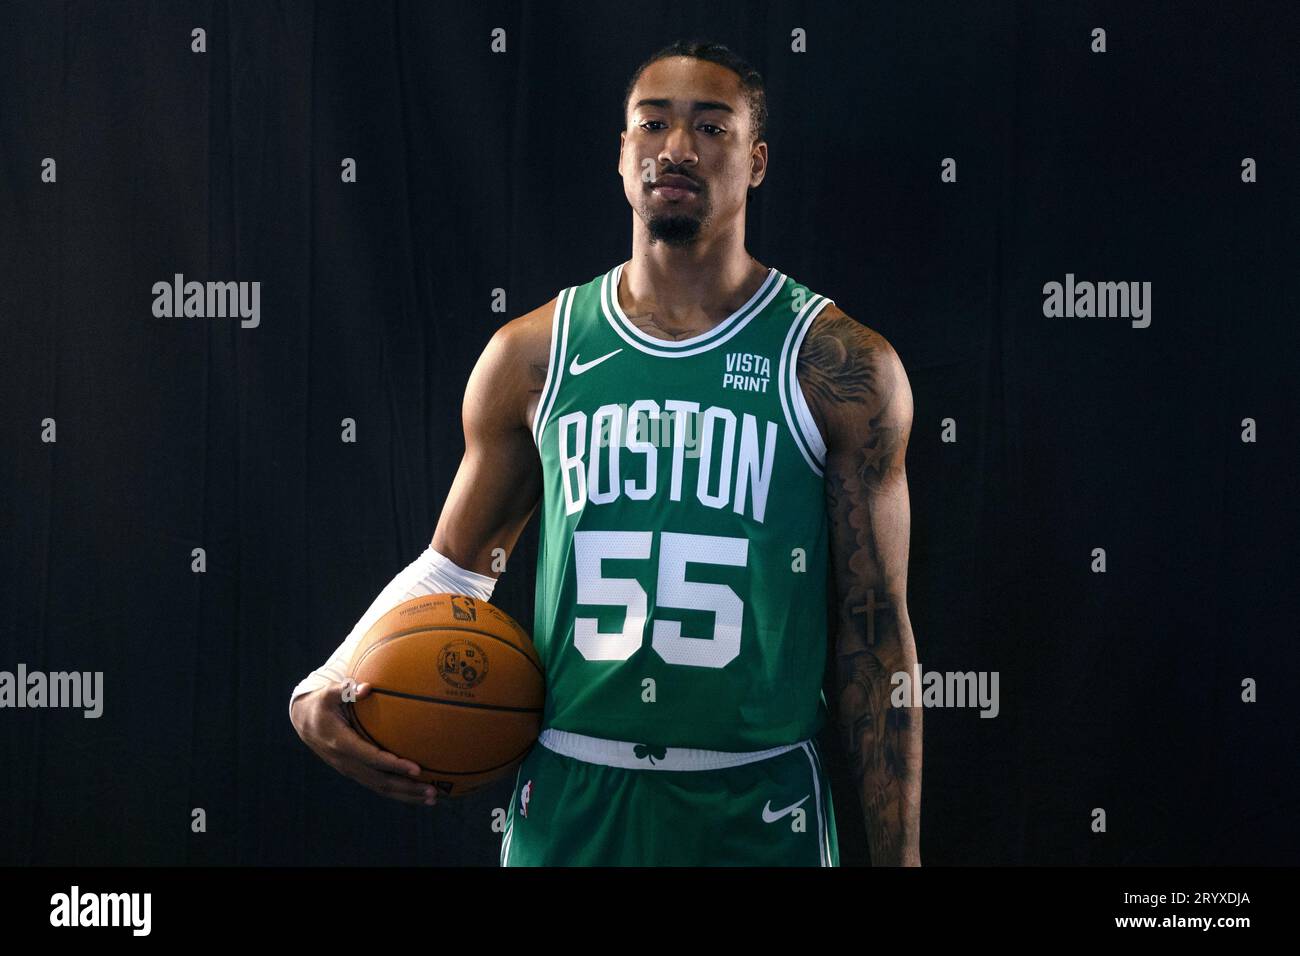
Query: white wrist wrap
{"points": [[430, 573]]}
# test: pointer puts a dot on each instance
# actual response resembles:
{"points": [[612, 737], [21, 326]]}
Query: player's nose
{"points": [[679, 147]]}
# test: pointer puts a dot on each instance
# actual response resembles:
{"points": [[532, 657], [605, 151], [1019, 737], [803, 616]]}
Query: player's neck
{"points": [[685, 292]]}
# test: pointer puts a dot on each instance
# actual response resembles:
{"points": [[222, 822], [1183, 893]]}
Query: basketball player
{"points": [[704, 434]]}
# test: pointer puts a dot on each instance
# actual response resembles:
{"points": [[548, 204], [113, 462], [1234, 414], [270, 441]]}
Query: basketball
{"points": [[456, 687]]}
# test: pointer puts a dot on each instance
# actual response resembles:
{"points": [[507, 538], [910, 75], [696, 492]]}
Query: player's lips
{"points": [[675, 187]]}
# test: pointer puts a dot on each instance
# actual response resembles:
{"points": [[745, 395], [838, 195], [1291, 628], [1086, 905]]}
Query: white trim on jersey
{"points": [[807, 436], [823, 837], [555, 367], [810, 430], [510, 829], [703, 342], [505, 844], [622, 753]]}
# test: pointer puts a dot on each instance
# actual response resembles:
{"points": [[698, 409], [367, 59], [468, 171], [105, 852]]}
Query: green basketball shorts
{"points": [[587, 801]]}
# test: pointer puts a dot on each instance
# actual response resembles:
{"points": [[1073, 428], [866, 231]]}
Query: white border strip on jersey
{"points": [[555, 368], [798, 416], [810, 430], [621, 753], [720, 333], [615, 274], [831, 853], [510, 830], [823, 838], [505, 844]]}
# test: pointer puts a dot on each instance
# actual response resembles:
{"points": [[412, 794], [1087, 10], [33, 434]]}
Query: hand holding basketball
{"points": [[458, 690], [321, 722]]}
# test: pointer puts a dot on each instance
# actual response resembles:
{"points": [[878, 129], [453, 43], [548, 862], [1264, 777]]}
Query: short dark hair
{"points": [[751, 81]]}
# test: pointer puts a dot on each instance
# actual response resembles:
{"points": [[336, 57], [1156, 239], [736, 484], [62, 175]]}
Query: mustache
{"points": [[659, 180]]}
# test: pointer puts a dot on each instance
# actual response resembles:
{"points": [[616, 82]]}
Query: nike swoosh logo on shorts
{"points": [[771, 817], [577, 368]]}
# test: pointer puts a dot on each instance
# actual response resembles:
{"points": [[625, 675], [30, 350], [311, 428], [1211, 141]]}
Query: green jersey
{"points": [[681, 574]]}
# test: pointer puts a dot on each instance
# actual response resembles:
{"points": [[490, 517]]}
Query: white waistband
{"points": [[621, 753]]}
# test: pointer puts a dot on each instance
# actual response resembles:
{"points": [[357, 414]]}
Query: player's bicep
{"points": [[498, 483], [864, 403]]}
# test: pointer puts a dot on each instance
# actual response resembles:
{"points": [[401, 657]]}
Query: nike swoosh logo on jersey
{"points": [[771, 817], [577, 368]]}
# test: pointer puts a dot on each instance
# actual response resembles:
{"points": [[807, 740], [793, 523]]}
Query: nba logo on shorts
{"points": [[525, 795]]}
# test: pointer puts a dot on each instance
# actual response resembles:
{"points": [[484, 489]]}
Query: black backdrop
{"points": [[481, 171]]}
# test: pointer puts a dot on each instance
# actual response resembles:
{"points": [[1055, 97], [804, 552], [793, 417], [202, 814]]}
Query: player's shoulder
{"points": [[845, 366], [519, 350], [529, 333], [833, 334], [510, 372]]}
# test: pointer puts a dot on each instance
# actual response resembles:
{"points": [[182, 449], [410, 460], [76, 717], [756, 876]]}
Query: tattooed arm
{"points": [[858, 393]]}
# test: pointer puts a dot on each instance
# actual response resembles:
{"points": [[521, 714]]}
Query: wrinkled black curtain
{"points": [[481, 171]]}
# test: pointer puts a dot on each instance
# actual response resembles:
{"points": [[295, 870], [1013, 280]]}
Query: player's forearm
{"points": [[430, 573], [883, 741]]}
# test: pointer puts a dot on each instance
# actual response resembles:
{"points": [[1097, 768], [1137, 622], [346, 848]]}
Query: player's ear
{"points": [[758, 164]]}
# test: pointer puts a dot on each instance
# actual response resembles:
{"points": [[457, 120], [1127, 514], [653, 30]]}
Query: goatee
{"points": [[673, 230]]}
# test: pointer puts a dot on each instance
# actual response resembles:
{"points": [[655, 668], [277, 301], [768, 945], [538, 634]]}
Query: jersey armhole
{"points": [[555, 364], [799, 417]]}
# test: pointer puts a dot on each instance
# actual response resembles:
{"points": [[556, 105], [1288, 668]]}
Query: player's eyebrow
{"points": [[699, 106]]}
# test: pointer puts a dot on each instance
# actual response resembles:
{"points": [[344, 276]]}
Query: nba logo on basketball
{"points": [[462, 608], [525, 795]]}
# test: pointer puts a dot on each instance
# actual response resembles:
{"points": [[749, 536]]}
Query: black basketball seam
{"points": [[448, 627], [446, 773], [434, 700], [454, 703], [467, 773]]}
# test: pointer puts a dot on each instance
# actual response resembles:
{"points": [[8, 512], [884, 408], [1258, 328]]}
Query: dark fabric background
{"points": [[480, 171]]}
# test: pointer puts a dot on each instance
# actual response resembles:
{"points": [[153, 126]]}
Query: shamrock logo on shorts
{"points": [[643, 751]]}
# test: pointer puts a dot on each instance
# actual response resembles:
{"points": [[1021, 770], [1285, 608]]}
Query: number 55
{"points": [[672, 590]]}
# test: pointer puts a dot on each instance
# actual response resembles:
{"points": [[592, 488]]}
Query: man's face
{"points": [[687, 157]]}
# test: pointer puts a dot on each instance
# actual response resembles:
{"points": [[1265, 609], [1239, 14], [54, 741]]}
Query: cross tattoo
{"points": [[869, 607]]}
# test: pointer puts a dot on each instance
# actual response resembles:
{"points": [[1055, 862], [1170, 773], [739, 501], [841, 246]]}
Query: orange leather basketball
{"points": [[457, 687]]}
